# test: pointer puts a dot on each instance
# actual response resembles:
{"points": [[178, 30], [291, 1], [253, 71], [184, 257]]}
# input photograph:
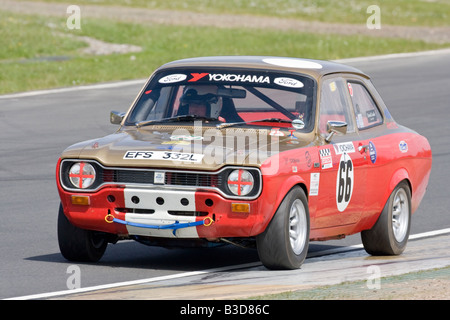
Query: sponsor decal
{"points": [[325, 158], [371, 116], [172, 78], [197, 76], [332, 86], [344, 182], [159, 177], [359, 120], [288, 82], [238, 78], [314, 184], [403, 146], [308, 159], [372, 152], [345, 147], [163, 155], [350, 89]]}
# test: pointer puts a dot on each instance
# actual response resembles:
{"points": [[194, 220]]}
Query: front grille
{"points": [[192, 179], [128, 176], [172, 178]]}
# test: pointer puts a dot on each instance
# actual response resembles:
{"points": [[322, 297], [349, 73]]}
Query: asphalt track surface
{"points": [[36, 127]]}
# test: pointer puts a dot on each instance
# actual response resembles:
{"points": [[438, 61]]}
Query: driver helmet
{"points": [[203, 94]]}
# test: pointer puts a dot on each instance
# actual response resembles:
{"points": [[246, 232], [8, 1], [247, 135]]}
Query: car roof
{"points": [[314, 68]]}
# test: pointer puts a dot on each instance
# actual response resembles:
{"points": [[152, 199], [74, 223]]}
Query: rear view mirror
{"points": [[334, 127], [232, 93], [116, 117]]}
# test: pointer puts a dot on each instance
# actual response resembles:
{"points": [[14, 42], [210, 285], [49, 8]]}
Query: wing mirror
{"points": [[334, 127], [116, 117]]}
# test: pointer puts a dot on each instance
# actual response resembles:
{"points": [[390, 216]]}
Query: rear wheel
{"points": [[390, 233], [284, 244], [78, 244]]}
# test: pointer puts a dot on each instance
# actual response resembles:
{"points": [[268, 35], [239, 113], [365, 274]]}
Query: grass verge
{"points": [[40, 52], [393, 12]]}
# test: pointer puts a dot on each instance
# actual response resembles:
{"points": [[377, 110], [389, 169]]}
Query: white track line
{"points": [[195, 273], [396, 56], [96, 86]]}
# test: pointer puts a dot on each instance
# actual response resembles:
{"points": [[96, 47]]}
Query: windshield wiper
{"points": [[226, 125], [175, 119]]}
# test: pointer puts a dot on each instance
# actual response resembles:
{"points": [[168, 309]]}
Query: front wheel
{"points": [[390, 233], [78, 244], [284, 244]]}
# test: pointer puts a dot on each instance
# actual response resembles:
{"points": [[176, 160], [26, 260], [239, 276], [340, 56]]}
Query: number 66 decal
{"points": [[344, 183]]}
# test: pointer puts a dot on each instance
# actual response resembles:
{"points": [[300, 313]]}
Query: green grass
{"points": [[393, 12], [27, 41]]}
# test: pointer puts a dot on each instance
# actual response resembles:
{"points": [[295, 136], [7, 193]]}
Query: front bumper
{"points": [[221, 217]]}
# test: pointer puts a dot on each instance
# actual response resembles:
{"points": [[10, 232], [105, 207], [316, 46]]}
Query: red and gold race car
{"points": [[269, 152]]}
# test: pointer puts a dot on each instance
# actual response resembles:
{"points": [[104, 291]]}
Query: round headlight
{"points": [[240, 182], [82, 175]]}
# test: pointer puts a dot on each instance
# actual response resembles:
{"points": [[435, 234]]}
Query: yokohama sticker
{"points": [[344, 182], [238, 78], [346, 147]]}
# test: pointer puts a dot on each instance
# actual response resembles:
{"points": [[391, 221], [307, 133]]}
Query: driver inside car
{"points": [[200, 101]]}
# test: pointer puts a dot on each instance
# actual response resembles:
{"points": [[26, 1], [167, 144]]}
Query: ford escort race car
{"points": [[265, 151]]}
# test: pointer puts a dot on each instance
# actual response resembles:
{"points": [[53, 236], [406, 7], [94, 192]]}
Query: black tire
{"points": [[390, 233], [78, 244], [284, 244]]}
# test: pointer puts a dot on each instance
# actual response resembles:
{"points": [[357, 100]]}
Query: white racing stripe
{"points": [[195, 273]]}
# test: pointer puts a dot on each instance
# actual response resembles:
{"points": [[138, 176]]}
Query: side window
{"points": [[334, 104], [366, 111]]}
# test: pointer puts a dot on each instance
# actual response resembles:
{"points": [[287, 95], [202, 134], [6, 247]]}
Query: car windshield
{"points": [[224, 98]]}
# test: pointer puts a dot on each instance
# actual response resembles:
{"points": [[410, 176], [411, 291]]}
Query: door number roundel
{"points": [[344, 183]]}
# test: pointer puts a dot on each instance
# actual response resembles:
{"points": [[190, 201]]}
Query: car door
{"points": [[373, 144], [342, 165]]}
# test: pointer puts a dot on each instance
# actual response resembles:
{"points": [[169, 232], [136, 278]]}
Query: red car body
{"points": [[344, 167]]}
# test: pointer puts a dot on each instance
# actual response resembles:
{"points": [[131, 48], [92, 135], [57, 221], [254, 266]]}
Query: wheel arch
{"points": [[284, 189], [398, 176], [288, 185]]}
